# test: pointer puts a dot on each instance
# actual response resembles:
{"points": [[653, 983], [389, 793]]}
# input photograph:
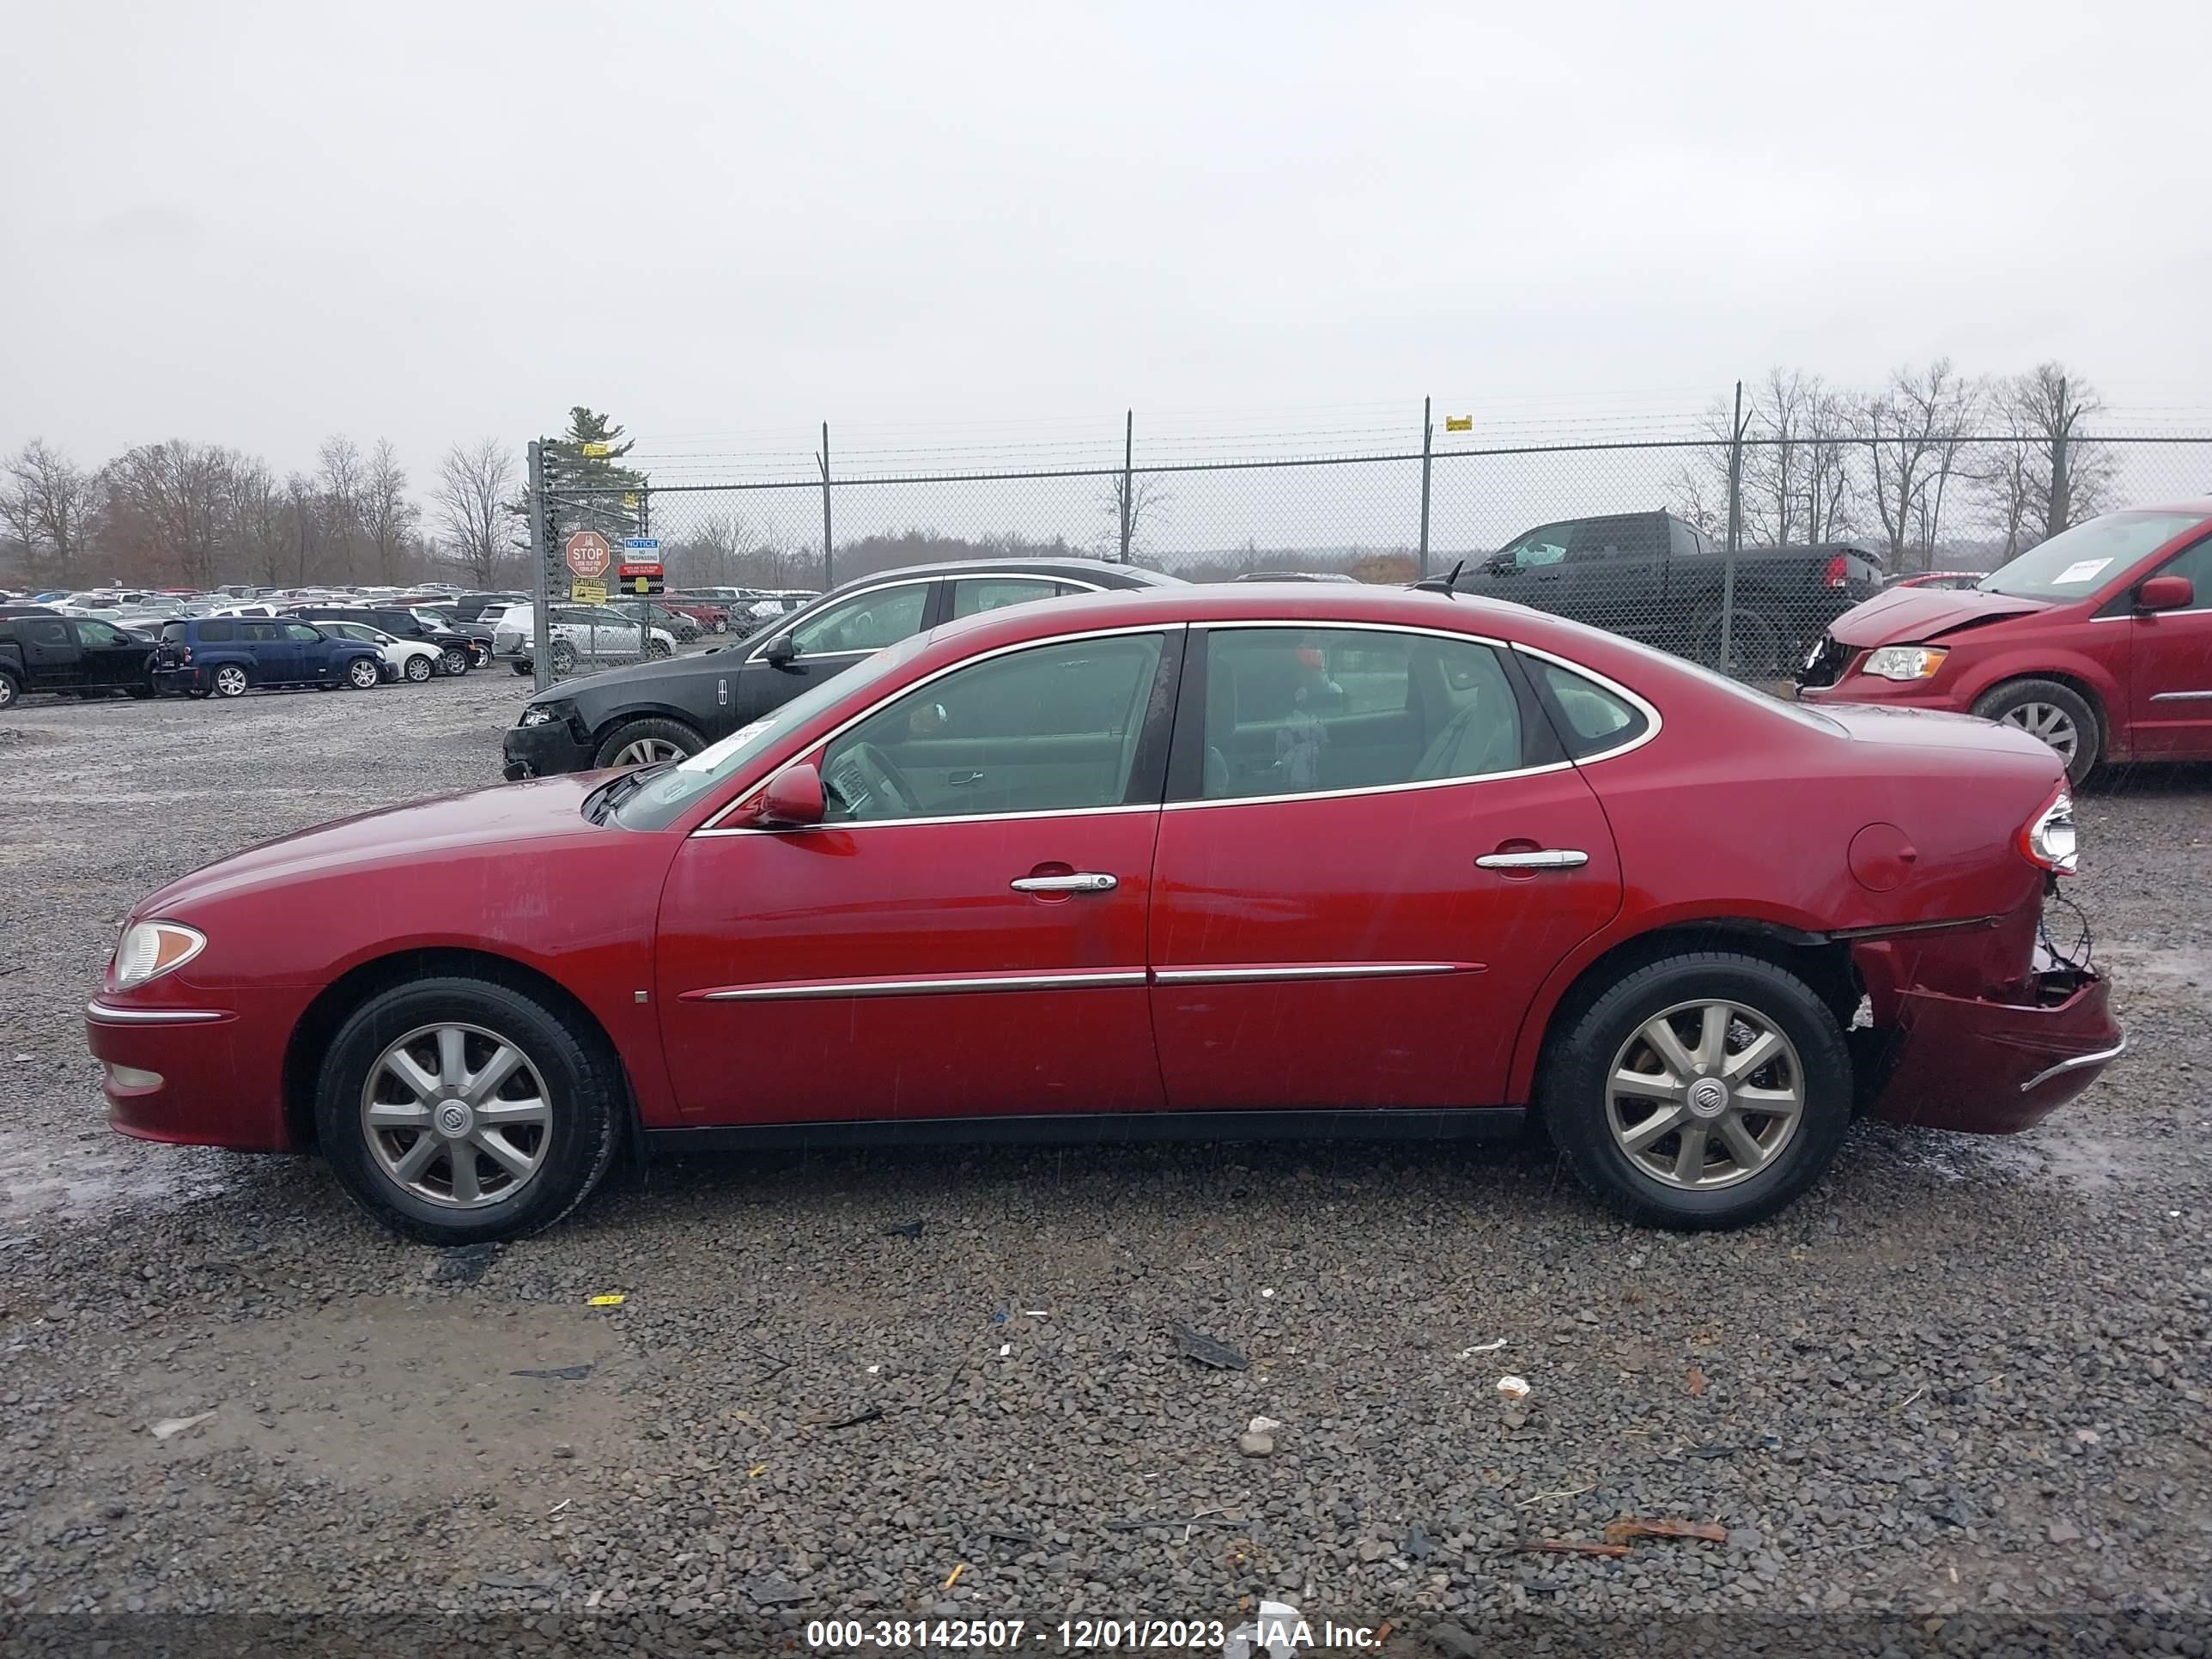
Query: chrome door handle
{"points": [[1083, 881], [1551, 858]]}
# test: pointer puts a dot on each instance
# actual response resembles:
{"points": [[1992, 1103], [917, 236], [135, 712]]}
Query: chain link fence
{"points": [[1736, 552]]}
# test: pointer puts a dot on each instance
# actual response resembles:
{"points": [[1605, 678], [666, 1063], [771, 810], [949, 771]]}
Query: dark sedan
{"points": [[662, 710]]}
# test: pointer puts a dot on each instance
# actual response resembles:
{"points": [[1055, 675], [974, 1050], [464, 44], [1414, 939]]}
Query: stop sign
{"points": [[589, 554]]}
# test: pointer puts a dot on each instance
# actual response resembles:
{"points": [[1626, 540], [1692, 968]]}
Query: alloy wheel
{"points": [[646, 751], [1705, 1094], [456, 1115], [230, 681], [454, 659], [363, 673], [418, 669], [2049, 722]]}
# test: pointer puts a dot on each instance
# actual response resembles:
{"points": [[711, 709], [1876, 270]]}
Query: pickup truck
{"points": [[79, 655], [1656, 578]]}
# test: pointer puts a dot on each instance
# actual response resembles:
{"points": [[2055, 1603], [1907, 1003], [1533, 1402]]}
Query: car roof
{"points": [[1057, 565]]}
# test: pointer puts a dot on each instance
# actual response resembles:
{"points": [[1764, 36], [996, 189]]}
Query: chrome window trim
{"points": [[1307, 970], [711, 826], [2147, 615], [112, 1015], [790, 621], [1642, 705], [937, 985]]}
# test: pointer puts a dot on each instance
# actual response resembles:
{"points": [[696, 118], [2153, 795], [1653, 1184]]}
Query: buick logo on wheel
{"points": [[1709, 1097]]}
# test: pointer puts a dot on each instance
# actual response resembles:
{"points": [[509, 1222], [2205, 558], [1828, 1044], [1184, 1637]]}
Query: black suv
{"points": [[656, 711], [457, 655], [82, 655]]}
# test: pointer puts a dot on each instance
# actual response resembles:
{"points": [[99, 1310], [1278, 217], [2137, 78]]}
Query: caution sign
{"points": [[1459, 422], [583, 593]]}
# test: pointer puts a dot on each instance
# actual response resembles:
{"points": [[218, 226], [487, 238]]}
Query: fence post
{"points": [[2061, 509], [828, 555], [1128, 474], [1425, 433], [1734, 534], [540, 562], [644, 604]]}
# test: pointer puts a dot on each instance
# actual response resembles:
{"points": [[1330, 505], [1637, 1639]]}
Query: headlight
{"points": [[149, 949], [537, 714], [1906, 662]]}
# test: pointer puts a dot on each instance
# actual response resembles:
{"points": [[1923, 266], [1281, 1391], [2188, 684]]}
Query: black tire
{"points": [[363, 674], [675, 733], [1757, 643], [231, 680], [418, 670], [1576, 1099], [2033, 706], [10, 689], [195, 691], [138, 693], [522, 668], [453, 660], [656, 650], [582, 1090]]}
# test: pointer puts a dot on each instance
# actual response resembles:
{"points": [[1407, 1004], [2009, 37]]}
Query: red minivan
{"points": [[2098, 642]]}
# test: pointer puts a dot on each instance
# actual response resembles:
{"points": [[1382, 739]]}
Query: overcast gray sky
{"points": [[260, 224]]}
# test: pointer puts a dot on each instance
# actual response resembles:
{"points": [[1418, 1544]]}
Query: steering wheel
{"points": [[878, 779]]}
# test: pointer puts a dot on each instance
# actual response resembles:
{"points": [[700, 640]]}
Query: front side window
{"points": [[1539, 547], [301, 633], [1293, 711], [100, 635], [973, 595], [867, 622], [1051, 728], [2193, 564], [2075, 563]]}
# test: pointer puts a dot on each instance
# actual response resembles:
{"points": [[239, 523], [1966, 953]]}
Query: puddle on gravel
{"points": [[94, 1173], [402, 1393], [2055, 1155]]}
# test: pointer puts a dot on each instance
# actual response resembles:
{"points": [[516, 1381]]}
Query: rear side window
{"points": [[218, 633], [259, 630], [1594, 719], [974, 594]]}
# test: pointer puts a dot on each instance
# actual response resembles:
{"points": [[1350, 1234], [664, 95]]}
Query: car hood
{"points": [[397, 837], [1911, 615], [680, 670]]}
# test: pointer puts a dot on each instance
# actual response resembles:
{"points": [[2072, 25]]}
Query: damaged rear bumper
{"points": [[1995, 1067]]}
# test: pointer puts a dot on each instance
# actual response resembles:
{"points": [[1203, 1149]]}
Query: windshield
{"points": [[658, 804], [2074, 563]]}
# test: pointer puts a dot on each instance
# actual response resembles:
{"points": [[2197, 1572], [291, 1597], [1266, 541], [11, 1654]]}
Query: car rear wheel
{"points": [[1755, 645], [9, 690], [231, 681], [363, 673], [2058, 714], [642, 743], [1703, 1090], [656, 649], [458, 1110], [454, 659], [418, 669]]}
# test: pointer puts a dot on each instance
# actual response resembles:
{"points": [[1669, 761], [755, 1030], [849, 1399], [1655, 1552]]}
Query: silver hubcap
{"points": [[418, 668], [645, 751], [1705, 1094], [2049, 722], [230, 681], [456, 1115]]}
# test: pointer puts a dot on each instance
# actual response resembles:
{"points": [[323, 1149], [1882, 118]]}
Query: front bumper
{"points": [[537, 751], [1991, 1067], [196, 1075]]}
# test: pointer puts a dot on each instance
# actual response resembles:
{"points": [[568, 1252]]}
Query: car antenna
{"points": [[1445, 585]]}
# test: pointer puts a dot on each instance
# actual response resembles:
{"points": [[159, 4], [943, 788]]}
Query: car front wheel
{"points": [[1703, 1090], [363, 673], [418, 669], [2057, 713], [643, 743], [460, 1110]]}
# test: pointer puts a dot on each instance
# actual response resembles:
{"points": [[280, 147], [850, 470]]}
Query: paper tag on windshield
{"points": [[2082, 570]]}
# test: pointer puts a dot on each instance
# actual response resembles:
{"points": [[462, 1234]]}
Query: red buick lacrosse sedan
{"points": [[1247, 860]]}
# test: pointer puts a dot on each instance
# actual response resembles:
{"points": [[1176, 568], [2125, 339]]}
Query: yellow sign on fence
{"points": [[1459, 422], [584, 592]]}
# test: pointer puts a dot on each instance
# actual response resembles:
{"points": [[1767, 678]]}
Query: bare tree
{"points": [[1148, 501], [341, 480], [50, 503], [1799, 482], [475, 484], [1913, 431], [169, 501], [257, 532], [387, 516]]}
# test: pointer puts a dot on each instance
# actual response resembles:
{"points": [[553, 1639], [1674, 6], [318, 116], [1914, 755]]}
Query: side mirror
{"points": [[793, 800], [2166, 594], [1501, 564], [779, 651]]}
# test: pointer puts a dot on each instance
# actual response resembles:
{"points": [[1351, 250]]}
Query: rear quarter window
{"points": [[1592, 719], [218, 633]]}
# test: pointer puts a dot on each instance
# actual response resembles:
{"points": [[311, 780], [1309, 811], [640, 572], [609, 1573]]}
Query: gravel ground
{"points": [[1954, 1400]]}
